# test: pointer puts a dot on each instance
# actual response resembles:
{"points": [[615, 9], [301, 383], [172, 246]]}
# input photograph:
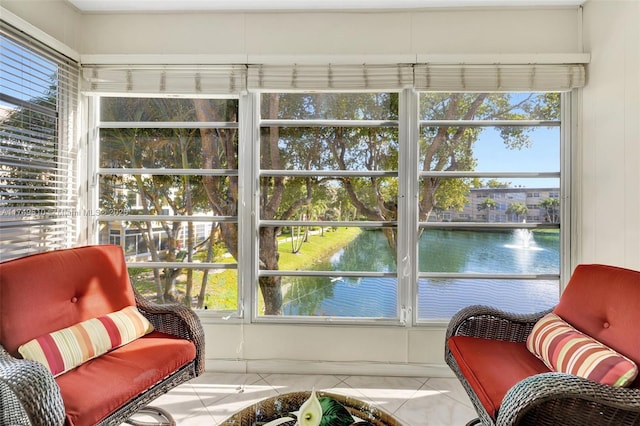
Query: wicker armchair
{"points": [[30, 395], [600, 301]]}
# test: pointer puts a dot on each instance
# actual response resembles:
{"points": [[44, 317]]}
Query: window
{"points": [[357, 194], [510, 143], [328, 200], [38, 97], [168, 193]]}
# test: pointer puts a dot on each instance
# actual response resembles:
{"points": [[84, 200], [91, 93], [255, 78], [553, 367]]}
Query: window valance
{"points": [[471, 78], [164, 80], [361, 77], [234, 79]]}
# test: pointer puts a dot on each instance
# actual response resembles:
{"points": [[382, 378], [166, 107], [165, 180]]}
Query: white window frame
{"points": [[96, 171], [402, 312], [407, 222], [564, 124]]}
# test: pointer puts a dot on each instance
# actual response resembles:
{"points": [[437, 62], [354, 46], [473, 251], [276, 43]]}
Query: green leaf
{"points": [[334, 413]]}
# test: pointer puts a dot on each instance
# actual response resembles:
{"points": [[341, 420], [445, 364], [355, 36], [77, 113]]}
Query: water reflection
{"points": [[337, 295], [488, 252], [440, 299], [439, 251]]}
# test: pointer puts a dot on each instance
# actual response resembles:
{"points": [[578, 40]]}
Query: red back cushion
{"points": [[604, 303], [49, 291]]}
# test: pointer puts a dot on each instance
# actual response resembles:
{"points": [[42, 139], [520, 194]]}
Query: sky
{"points": [[543, 156]]}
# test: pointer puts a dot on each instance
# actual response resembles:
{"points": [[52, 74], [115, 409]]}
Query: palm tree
{"points": [[518, 209], [486, 205], [552, 209]]}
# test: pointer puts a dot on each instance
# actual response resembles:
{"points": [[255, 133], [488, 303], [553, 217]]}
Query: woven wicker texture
{"points": [[545, 399]]}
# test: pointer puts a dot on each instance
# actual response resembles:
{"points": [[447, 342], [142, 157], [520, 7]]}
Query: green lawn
{"points": [[319, 246], [221, 291]]}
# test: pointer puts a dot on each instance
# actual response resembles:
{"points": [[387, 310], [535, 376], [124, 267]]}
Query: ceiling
{"points": [[306, 5]]}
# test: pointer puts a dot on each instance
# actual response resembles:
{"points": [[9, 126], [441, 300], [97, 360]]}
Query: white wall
{"points": [[520, 35], [609, 174], [54, 17], [437, 32]]}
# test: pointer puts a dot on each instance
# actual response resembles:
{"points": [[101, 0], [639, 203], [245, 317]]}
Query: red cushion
{"points": [[50, 291], [602, 302], [492, 367], [102, 385]]}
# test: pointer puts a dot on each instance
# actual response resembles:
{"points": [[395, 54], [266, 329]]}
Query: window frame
{"points": [[96, 124], [407, 222], [567, 115], [402, 316]]}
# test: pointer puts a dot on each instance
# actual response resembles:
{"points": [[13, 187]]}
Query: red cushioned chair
{"points": [[508, 385], [50, 291]]}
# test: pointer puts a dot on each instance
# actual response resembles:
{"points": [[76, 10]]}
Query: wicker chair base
{"points": [[164, 417]]}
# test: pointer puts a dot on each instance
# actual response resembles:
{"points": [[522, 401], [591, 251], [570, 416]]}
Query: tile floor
{"points": [[414, 401]]}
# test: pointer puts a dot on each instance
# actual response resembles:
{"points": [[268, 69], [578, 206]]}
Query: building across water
{"points": [[532, 205]]}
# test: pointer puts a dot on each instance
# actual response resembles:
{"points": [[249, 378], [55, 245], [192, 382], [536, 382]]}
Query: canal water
{"points": [[439, 251]]}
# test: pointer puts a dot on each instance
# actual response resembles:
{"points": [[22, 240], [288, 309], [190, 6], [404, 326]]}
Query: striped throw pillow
{"points": [[564, 349], [62, 350]]}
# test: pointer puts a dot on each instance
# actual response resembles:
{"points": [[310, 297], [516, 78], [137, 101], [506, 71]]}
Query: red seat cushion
{"points": [[492, 367], [89, 394]]}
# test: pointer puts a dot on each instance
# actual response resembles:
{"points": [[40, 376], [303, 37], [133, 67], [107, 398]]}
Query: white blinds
{"points": [[165, 80], [363, 77], [473, 78], [38, 101]]}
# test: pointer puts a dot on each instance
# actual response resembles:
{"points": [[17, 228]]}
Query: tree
{"points": [[551, 207], [486, 205], [495, 183], [518, 209], [28, 145], [182, 195]]}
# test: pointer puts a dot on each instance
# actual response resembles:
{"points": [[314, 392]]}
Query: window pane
{"points": [[489, 106], [339, 249], [150, 148], [504, 200], [195, 134], [490, 149], [164, 240], [168, 194], [188, 242], [321, 198], [325, 132], [441, 298], [306, 248], [330, 106], [518, 251], [330, 148], [338, 297], [220, 290], [168, 109], [523, 150]]}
